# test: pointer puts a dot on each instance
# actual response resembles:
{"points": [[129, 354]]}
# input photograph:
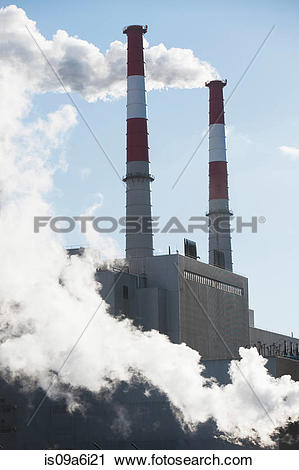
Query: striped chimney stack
{"points": [[139, 243], [220, 252]]}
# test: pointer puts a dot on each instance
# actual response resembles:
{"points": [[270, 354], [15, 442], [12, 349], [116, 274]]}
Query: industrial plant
{"points": [[204, 305]]}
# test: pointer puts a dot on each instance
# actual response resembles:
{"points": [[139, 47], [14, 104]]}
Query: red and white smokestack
{"points": [[139, 241], [220, 252]]}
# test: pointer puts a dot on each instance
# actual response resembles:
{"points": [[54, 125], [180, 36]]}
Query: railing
{"points": [[138, 174]]}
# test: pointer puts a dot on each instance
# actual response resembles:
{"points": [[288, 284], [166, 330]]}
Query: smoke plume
{"points": [[46, 298], [83, 68]]}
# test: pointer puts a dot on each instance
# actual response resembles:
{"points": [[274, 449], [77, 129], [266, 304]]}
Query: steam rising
{"points": [[84, 68], [46, 299]]}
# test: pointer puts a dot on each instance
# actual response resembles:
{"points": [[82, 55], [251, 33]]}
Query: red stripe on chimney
{"points": [[137, 140], [218, 180], [216, 107], [135, 50]]}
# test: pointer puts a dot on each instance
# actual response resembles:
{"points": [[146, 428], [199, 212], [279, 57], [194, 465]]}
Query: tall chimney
{"points": [[220, 252], [139, 243]]}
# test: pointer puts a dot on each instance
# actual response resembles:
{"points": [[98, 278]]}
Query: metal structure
{"points": [[220, 252], [139, 235], [190, 248]]}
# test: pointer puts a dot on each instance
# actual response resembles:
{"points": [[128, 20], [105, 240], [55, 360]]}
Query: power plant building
{"points": [[203, 305]]}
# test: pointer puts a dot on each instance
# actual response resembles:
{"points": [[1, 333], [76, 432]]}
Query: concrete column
{"points": [[139, 235], [220, 252]]}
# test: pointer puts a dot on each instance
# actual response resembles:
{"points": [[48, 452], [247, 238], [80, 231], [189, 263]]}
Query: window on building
{"points": [[206, 281], [125, 292]]}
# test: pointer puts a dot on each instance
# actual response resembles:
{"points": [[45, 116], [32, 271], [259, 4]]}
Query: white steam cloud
{"points": [[84, 68], [46, 298], [292, 152]]}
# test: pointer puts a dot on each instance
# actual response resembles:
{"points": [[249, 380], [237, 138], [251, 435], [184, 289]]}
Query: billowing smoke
{"points": [[47, 299], [84, 68]]}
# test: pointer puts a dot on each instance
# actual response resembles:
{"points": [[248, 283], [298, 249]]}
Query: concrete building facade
{"points": [[201, 305], [269, 343]]}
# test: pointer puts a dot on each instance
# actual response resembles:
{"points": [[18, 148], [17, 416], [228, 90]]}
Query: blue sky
{"points": [[261, 116]]}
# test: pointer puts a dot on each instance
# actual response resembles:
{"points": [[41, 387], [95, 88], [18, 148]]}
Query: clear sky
{"points": [[261, 117]]}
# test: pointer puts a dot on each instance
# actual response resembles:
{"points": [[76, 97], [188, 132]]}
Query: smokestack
{"points": [[220, 252], [138, 178]]}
